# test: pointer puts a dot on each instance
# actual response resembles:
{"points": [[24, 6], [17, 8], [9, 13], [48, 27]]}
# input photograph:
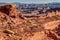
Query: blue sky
{"points": [[30, 1]]}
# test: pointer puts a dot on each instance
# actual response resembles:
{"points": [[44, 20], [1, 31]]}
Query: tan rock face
{"points": [[52, 25], [8, 9], [50, 14], [14, 26], [39, 36]]}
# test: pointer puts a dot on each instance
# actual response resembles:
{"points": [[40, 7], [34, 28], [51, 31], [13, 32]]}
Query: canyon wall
{"points": [[17, 28], [8, 9], [50, 14]]}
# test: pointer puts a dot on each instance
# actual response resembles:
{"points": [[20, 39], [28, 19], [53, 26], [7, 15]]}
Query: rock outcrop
{"points": [[8, 9], [14, 26]]}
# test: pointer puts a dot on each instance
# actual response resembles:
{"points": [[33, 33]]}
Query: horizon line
{"points": [[30, 3]]}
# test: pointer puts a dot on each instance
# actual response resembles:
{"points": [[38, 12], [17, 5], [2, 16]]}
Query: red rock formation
{"points": [[44, 27], [8, 9]]}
